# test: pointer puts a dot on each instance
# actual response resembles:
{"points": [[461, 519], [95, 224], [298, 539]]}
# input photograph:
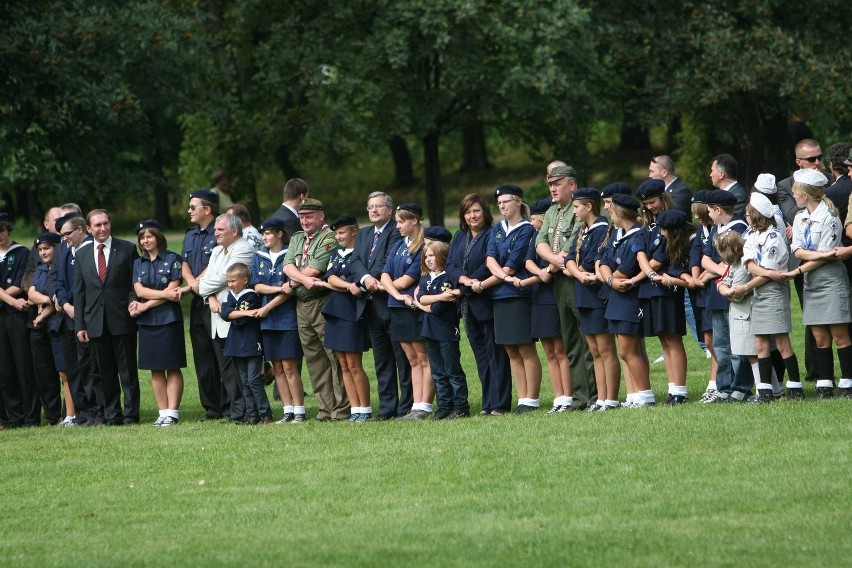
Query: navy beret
{"points": [[49, 238], [5, 217], [206, 195], [541, 206], [509, 190], [344, 221], [650, 188], [61, 220], [700, 196], [721, 197], [411, 208], [672, 219], [617, 187], [626, 201], [270, 224], [148, 224], [589, 193], [437, 233]]}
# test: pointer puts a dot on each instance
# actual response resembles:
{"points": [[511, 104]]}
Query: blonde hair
{"points": [[440, 249], [813, 192], [417, 239], [729, 245]]}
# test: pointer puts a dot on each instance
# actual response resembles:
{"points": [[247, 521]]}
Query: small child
{"points": [[243, 343], [436, 296]]}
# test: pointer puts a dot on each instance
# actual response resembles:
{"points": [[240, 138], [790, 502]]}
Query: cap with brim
{"points": [[722, 198], [626, 201], [206, 195], [614, 188], [762, 205], [411, 208], [61, 220], [272, 224], [765, 183], [310, 204], [148, 224], [438, 233], [49, 238], [509, 190], [650, 188], [588, 194], [810, 177], [560, 172], [344, 221], [700, 196], [672, 219]]}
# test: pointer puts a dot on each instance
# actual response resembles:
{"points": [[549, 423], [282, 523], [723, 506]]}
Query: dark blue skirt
{"points": [[664, 315], [513, 321], [406, 325], [593, 321], [617, 327], [58, 352], [346, 336], [281, 344], [545, 321], [162, 347]]}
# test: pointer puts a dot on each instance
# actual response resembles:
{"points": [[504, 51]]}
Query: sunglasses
{"points": [[812, 159]]}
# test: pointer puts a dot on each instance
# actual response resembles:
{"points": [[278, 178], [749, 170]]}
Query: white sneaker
{"points": [[659, 359], [168, 421], [707, 353], [68, 421], [160, 421]]}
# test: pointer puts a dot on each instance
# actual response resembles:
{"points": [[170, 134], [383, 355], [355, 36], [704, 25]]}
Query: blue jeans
{"points": [[734, 372], [690, 320], [447, 372], [257, 403]]}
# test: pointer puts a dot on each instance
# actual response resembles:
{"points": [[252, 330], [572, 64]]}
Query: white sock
{"points": [[534, 402], [678, 390], [845, 383], [163, 414], [671, 388], [288, 408], [567, 400], [558, 401], [825, 383], [792, 385], [764, 386], [523, 401], [755, 370], [611, 403], [355, 410], [299, 409], [173, 413], [645, 396], [711, 385], [367, 409], [427, 406], [601, 402], [630, 398]]}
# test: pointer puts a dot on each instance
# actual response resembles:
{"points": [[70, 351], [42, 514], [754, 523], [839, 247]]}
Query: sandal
{"points": [[496, 413], [484, 413]]}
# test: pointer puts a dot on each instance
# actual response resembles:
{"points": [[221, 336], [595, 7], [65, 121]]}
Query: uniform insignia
{"points": [[176, 265], [327, 248], [408, 260], [618, 260], [773, 251], [641, 313], [262, 265], [634, 248], [164, 280]]}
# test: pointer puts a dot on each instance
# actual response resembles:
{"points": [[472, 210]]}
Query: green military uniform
{"points": [[323, 368], [561, 226]]}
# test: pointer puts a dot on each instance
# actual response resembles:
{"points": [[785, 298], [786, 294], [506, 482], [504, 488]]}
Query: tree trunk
{"points": [[403, 172], [475, 151], [282, 157], [432, 171]]}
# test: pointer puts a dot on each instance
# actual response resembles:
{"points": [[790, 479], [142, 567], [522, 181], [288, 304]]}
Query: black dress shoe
{"points": [[442, 413], [208, 417], [458, 413]]}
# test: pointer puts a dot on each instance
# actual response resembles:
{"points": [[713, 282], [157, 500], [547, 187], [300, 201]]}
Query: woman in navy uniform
{"points": [[467, 271], [156, 283], [584, 254], [278, 329], [619, 266], [346, 332], [48, 361], [507, 254], [699, 280], [399, 279]]}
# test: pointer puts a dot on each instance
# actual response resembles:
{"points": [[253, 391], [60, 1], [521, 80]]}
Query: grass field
{"points": [[722, 485]]}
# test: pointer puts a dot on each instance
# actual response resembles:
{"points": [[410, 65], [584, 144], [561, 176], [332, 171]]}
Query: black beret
{"points": [[509, 190], [49, 238], [700, 196], [721, 197], [438, 233], [411, 208], [614, 188], [5, 217], [344, 221], [650, 188], [61, 220], [589, 193], [626, 201], [273, 223], [541, 206], [148, 224], [206, 195], [672, 219]]}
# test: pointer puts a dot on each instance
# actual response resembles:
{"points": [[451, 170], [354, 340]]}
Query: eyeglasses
{"points": [[375, 207], [66, 233], [194, 207], [812, 159]]}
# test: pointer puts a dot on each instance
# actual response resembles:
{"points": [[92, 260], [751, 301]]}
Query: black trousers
{"points": [[392, 367], [115, 356], [234, 406], [17, 378], [46, 376], [80, 367], [211, 391]]}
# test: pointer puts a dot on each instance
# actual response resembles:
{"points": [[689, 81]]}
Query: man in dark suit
{"points": [[295, 191], [723, 175], [663, 168], [808, 156], [372, 245], [103, 285]]}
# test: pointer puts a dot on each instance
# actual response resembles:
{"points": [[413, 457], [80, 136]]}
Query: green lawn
{"points": [[693, 485]]}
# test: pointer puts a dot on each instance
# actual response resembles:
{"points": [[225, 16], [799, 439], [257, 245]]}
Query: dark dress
{"points": [[344, 330], [406, 323], [279, 328], [161, 338]]}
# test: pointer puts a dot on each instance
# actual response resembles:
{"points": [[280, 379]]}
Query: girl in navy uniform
{"points": [[437, 297], [507, 253], [346, 330], [48, 360], [546, 325], [584, 255], [244, 344], [399, 279], [156, 283], [699, 280], [278, 328], [816, 236], [619, 267]]}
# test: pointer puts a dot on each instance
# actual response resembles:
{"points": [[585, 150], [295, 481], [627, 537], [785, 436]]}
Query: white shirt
{"points": [[107, 246]]}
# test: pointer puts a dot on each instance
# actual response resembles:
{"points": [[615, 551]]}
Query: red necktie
{"points": [[101, 263]]}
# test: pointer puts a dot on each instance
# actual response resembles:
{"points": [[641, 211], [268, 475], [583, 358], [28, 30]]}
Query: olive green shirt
{"points": [[548, 227], [319, 251]]}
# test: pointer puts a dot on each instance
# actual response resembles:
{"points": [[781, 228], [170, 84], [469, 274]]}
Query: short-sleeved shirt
{"points": [[402, 263], [509, 246], [342, 305], [588, 295], [270, 271], [157, 274], [767, 249], [819, 230], [320, 247], [198, 245], [13, 265]]}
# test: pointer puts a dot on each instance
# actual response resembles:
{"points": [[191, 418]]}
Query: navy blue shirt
{"points": [[588, 295], [157, 275], [620, 256], [265, 271], [401, 263], [198, 244], [509, 248], [715, 301], [341, 305], [244, 334], [479, 302], [442, 324], [13, 265]]}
